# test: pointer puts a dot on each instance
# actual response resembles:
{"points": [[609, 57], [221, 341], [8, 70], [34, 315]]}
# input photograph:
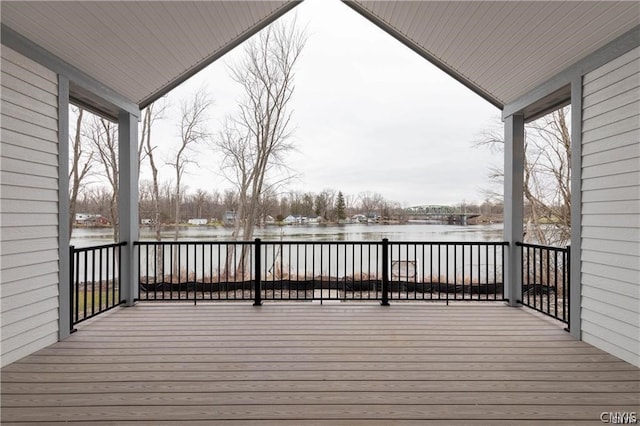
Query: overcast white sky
{"points": [[371, 115]]}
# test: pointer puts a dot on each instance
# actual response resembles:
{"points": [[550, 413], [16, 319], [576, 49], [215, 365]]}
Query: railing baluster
{"points": [[495, 271], [433, 270], [257, 289], [86, 278], [93, 281], [119, 248], [447, 272], [463, 280], [555, 282], [146, 280], [486, 269], [297, 271], [566, 287], [385, 272], [548, 281], [416, 273], [524, 276], [108, 278], [210, 283], [72, 288], [113, 265]]}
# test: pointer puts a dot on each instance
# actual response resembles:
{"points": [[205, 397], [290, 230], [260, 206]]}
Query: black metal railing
{"points": [[195, 270], [293, 270], [95, 280], [545, 276], [445, 270]]}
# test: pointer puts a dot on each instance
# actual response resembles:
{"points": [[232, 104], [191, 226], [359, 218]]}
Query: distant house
{"points": [[360, 218], [229, 216], [86, 219], [197, 221], [82, 218], [294, 220]]}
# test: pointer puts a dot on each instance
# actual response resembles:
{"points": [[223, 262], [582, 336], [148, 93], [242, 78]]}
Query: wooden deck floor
{"points": [[309, 364]]}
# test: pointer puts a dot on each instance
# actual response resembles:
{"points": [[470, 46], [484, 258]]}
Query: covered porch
{"points": [[335, 363]]}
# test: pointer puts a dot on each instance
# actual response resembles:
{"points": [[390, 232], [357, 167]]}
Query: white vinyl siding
{"points": [[610, 258], [28, 207]]}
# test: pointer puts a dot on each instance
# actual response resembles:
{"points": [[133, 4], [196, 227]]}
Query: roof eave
{"points": [[217, 55], [420, 51]]}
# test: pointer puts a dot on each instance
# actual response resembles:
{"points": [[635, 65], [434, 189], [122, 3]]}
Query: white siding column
{"points": [[64, 293], [575, 287], [128, 202], [513, 204]]}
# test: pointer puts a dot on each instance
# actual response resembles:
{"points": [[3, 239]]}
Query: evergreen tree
{"points": [[340, 207]]}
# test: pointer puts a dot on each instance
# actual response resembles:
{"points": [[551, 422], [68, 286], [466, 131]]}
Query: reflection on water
{"points": [[85, 237]]}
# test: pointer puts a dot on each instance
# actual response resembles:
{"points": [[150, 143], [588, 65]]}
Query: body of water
{"points": [[86, 237]]}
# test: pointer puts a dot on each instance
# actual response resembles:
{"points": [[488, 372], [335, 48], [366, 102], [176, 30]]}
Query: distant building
{"points": [[86, 219], [294, 220], [82, 218], [229, 217], [197, 221], [360, 218]]}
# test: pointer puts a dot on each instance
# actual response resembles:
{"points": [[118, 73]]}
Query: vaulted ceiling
{"points": [[142, 49], [503, 49]]}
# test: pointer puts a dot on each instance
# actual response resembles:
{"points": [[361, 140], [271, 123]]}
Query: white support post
{"points": [[128, 203], [513, 204], [64, 287], [575, 282]]}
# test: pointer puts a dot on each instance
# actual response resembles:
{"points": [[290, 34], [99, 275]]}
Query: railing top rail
{"points": [[293, 242], [540, 246], [184, 242], [458, 243], [103, 246]]}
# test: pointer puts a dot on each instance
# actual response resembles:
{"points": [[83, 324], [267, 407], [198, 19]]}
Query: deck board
{"points": [[322, 364]]}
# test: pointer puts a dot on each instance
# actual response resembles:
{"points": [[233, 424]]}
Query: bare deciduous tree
{"points": [[200, 199], [81, 159], [253, 142], [104, 136], [547, 179], [371, 202], [152, 113], [193, 130], [547, 176]]}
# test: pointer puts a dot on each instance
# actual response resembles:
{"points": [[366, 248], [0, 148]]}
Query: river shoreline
{"points": [[85, 237]]}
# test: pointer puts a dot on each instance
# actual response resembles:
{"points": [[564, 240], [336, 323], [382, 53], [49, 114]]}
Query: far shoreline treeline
{"points": [[201, 208]]}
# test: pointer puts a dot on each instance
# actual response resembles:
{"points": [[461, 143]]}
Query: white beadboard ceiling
{"points": [[142, 49], [503, 49]]}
